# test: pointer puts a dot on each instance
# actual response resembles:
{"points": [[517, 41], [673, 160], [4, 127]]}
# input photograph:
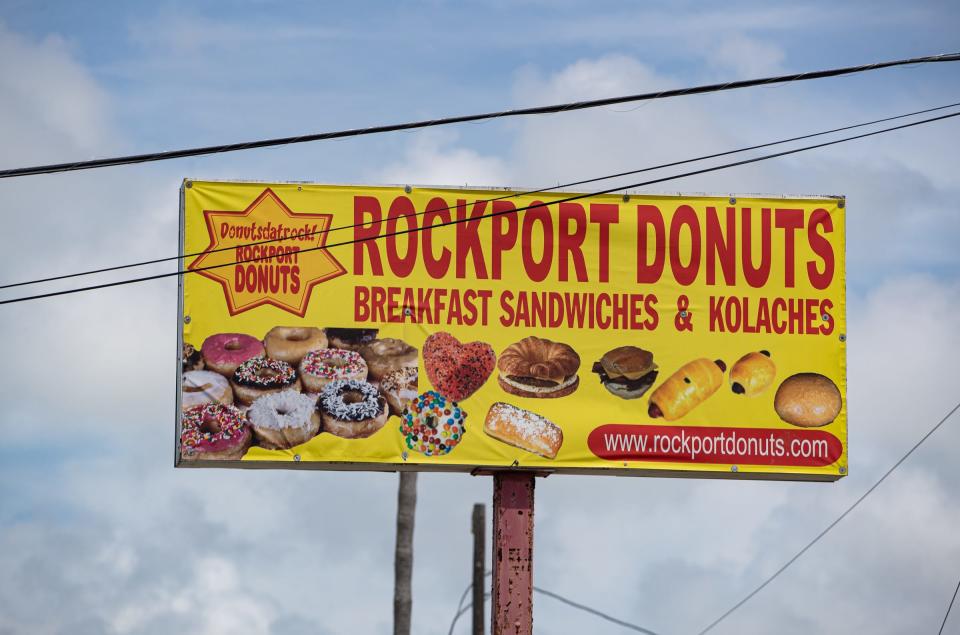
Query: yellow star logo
{"points": [[261, 255]]}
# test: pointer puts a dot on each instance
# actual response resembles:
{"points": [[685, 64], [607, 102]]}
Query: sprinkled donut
{"points": [[290, 343], [214, 431], [319, 368], [282, 420], [432, 425], [259, 376], [387, 355], [352, 409], [203, 387], [224, 352]]}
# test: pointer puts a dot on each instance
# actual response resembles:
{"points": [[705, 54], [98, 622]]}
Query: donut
{"points": [[214, 431], [808, 400], [318, 368], [431, 424], [224, 352], [259, 376], [399, 387], [290, 343], [352, 409], [753, 374], [281, 420], [387, 355], [457, 369], [203, 387], [191, 359], [350, 339]]}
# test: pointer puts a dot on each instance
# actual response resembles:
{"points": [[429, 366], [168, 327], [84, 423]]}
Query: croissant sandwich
{"points": [[686, 389], [536, 367]]}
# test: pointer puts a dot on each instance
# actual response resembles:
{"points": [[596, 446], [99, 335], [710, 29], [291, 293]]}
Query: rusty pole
{"points": [[512, 599]]}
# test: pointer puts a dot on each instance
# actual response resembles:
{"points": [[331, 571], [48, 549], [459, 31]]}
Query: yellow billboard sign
{"points": [[383, 328]]}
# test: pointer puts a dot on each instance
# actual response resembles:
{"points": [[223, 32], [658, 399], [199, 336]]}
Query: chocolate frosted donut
{"points": [[352, 409], [259, 376], [350, 339]]}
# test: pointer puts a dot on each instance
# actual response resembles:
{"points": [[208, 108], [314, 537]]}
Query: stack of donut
{"points": [[282, 391]]}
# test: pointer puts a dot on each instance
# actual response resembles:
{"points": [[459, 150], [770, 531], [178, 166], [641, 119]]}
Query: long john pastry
{"points": [[686, 389]]}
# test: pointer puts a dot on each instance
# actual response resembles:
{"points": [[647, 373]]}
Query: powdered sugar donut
{"points": [[224, 352], [290, 343], [214, 431], [399, 387], [432, 424], [319, 368], [259, 376], [203, 387], [352, 409], [284, 419], [387, 355]]}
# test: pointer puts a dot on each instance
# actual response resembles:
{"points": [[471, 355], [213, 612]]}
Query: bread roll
{"points": [[808, 400], [523, 429], [686, 389]]}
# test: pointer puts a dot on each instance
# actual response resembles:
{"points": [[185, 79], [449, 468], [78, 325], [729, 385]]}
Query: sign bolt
{"points": [[734, 468], [843, 337], [186, 319]]}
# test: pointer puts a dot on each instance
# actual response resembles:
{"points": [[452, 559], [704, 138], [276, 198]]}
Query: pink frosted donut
{"points": [[224, 352]]}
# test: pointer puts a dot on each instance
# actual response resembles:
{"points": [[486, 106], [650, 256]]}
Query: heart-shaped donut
{"points": [[455, 369]]}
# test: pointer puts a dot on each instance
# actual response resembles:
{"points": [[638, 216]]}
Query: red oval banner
{"points": [[742, 446]]}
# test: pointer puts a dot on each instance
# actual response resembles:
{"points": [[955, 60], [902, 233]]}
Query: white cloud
{"points": [[747, 57]]}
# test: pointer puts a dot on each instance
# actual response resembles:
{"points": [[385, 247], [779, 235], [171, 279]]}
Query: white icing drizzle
{"points": [[279, 410]]}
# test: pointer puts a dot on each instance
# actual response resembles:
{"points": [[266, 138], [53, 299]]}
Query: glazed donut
{"points": [[387, 355], [753, 374], [191, 359], [258, 376], [214, 431], [350, 339], [318, 368], [202, 387], [284, 419], [432, 425], [399, 387], [352, 409], [224, 352], [290, 343]]}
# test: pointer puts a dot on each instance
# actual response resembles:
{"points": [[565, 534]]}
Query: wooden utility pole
{"points": [[403, 553], [479, 563]]}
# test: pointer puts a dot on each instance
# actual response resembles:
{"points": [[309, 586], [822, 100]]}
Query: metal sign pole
{"points": [[512, 598]]}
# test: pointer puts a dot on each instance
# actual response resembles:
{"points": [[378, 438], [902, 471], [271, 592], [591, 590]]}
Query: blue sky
{"points": [[98, 533]]}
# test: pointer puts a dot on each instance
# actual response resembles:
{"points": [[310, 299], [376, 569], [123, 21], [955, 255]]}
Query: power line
{"points": [[461, 609], [412, 230], [592, 611], [952, 600], [535, 110], [832, 525], [143, 263]]}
